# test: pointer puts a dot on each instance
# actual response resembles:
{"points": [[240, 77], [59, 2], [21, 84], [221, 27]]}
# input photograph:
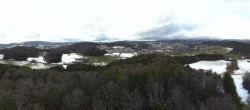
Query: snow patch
{"points": [[39, 66], [64, 66], [126, 55], [122, 55], [112, 54], [20, 63], [70, 58], [100, 64], [216, 66], [118, 47], [243, 93], [1, 57], [220, 67], [39, 59], [244, 67], [229, 49]]}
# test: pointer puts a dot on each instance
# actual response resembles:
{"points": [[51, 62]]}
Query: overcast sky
{"points": [[91, 20]]}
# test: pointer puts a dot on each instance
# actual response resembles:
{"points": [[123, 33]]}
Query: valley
{"points": [[197, 69]]}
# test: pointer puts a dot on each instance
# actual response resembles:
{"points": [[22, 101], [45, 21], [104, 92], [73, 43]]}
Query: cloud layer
{"points": [[98, 20], [169, 31]]}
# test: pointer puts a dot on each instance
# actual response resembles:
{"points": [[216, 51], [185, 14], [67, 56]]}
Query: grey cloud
{"points": [[167, 19], [71, 40], [168, 31], [2, 35], [103, 37], [34, 36]]}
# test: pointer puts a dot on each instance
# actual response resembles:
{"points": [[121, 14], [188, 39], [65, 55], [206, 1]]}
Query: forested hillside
{"points": [[85, 48], [19, 53], [145, 82]]}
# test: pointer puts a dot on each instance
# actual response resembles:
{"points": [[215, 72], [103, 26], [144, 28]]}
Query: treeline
{"points": [[77, 67], [146, 82], [21, 53], [200, 57], [53, 56], [246, 81]]}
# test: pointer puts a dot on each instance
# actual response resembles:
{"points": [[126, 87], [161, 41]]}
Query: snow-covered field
{"points": [[37, 59], [220, 67], [27, 64], [216, 66], [64, 66], [112, 54], [1, 56], [122, 55], [239, 87], [126, 55], [39, 66], [244, 67], [70, 58], [100, 64], [19, 63]]}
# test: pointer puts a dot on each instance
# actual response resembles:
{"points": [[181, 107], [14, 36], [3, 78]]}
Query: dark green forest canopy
{"points": [[21, 53], [146, 82], [85, 48]]}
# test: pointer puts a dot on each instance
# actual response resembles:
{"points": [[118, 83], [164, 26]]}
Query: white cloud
{"points": [[23, 20]]}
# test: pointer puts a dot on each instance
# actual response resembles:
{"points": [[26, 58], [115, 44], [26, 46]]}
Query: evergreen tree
{"points": [[232, 66], [230, 88]]}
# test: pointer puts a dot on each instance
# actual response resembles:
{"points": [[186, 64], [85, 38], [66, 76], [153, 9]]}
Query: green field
{"points": [[206, 50], [234, 55]]}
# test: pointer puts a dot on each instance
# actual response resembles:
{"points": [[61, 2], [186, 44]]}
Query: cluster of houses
{"points": [[169, 47]]}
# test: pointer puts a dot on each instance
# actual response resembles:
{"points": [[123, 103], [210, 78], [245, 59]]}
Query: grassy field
{"points": [[234, 55], [206, 50]]}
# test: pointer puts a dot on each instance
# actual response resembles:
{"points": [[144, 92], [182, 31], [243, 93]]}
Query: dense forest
{"points": [[85, 48], [145, 82], [199, 57], [246, 81], [21, 53]]}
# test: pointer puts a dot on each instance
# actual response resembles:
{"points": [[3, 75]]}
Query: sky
{"points": [[108, 20]]}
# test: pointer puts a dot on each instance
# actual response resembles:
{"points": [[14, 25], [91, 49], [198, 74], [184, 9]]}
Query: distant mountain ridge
{"points": [[35, 44]]}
